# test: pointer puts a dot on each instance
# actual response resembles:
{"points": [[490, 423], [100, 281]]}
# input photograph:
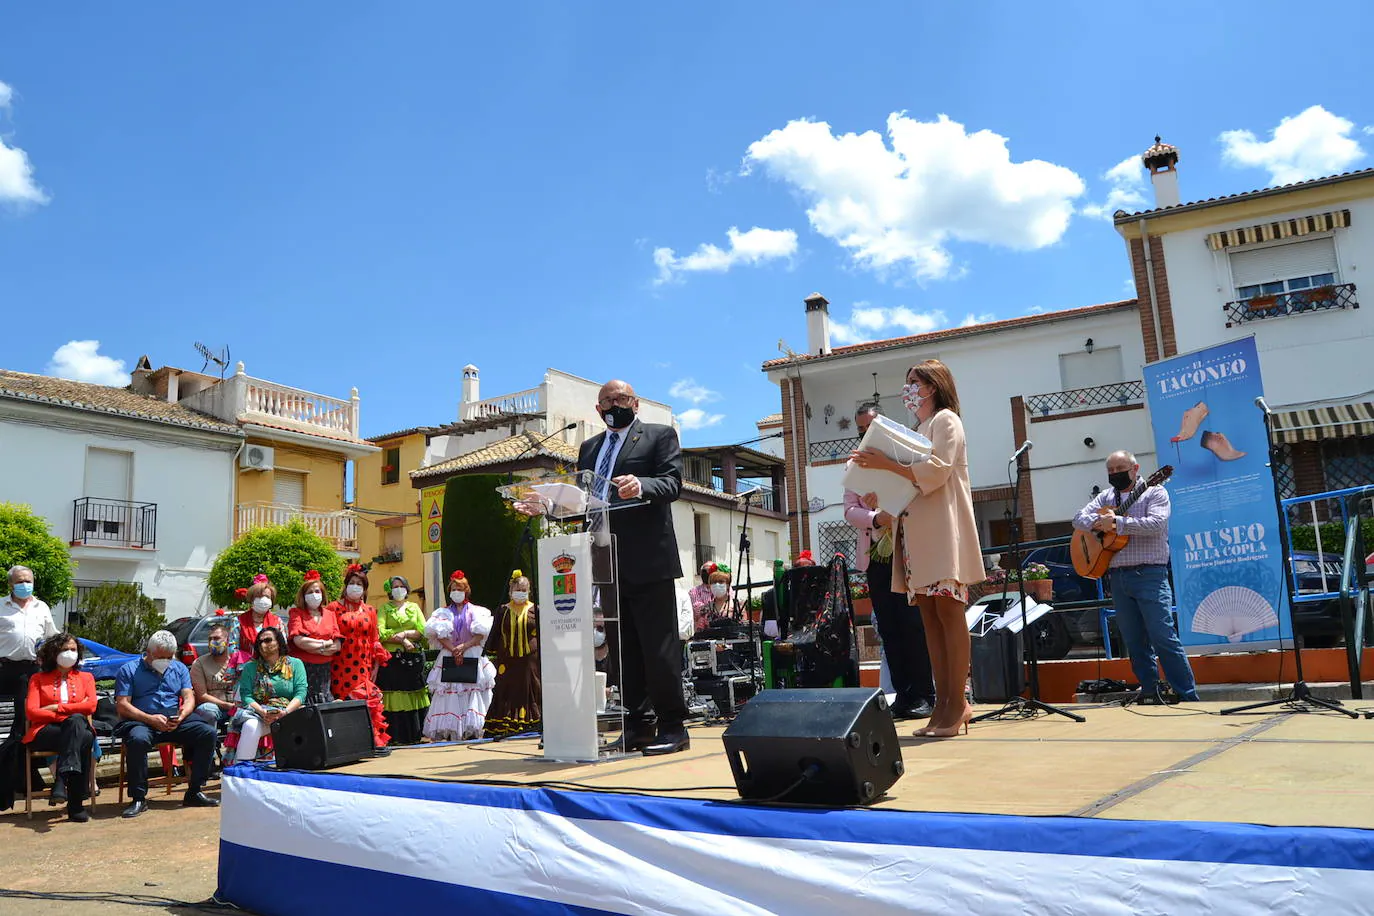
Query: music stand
{"points": [[1018, 706]]}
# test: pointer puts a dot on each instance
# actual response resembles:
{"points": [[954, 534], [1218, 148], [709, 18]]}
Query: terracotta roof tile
{"points": [[949, 333], [523, 445], [773, 419], [1122, 216], [105, 399]]}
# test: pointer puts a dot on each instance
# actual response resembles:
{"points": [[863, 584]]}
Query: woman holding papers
{"points": [[937, 555]]}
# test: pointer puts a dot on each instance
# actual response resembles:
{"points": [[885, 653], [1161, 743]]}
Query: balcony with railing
{"points": [[244, 399], [1298, 302], [338, 527], [114, 523], [831, 449], [1077, 400], [529, 401]]}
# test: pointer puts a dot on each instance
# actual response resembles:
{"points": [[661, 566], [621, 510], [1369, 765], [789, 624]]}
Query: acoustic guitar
{"points": [[1092, 551]]}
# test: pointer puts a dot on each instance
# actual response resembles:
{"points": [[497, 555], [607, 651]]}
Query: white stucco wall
{"points": [[1303, 358], [725, 528], [192, 483]]}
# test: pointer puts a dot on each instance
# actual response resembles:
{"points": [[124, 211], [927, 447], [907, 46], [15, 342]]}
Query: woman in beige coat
{"points": [[937, 555]]}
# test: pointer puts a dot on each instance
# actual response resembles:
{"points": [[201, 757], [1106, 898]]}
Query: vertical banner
{"points": [[567, 662], [431, 518], [1224, 533]]}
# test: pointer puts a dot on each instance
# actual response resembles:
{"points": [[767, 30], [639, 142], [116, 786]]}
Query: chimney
{"points": [[472, 391], [1162, 161], [139, 378], [817, 324]]}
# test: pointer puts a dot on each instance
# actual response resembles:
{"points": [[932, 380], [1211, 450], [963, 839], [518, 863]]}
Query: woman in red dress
{"points": [[263, 595], [355, 667]]}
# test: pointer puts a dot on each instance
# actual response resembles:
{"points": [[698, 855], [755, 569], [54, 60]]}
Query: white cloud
{"points": [[81, 361], [1308, 145], [1126, 180], [901, 205], [868, 322], [752, 247], [16, 173], [971, 319], [696, 418], [687, 389]]}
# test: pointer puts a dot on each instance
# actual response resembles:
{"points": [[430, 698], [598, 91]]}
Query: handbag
{"points": [[459, 670], [405, 671]]}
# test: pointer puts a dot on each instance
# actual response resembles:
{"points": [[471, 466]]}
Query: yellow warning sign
{"points": [[432, 518]]}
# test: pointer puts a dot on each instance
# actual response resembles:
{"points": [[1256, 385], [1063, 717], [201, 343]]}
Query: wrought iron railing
{"points": [[832, 449], [114, 523], [1119, 394], [1319, 299]]}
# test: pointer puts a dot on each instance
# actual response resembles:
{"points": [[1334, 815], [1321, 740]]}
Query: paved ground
{"points": [[169, 852]]}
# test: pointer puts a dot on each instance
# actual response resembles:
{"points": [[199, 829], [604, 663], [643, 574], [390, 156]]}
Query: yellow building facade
{"points": [[387, 507]]}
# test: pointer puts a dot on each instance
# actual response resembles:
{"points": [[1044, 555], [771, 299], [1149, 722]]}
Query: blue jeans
{"points": [[1143, 603], [209, 712]]}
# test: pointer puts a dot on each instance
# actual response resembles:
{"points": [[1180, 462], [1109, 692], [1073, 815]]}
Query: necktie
{"points": [[603, 469]]}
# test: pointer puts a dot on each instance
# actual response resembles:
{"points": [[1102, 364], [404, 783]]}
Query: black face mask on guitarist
{"points": [[1120, 480]]}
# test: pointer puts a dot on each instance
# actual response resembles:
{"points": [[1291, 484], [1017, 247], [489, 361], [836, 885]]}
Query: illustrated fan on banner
{"points": [[1234, 612]]}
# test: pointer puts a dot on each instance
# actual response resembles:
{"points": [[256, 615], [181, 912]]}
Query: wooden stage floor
{"points": [[1140, 763]]}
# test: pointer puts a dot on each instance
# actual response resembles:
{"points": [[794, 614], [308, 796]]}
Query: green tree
{"points": [[284, 553], [480, 534], [26, 541], [118, 615]]}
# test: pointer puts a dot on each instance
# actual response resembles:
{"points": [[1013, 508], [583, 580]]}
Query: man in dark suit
{"points": [[643, 461]]}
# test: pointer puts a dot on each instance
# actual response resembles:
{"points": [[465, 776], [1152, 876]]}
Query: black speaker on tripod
{"points": [[318, 737], [830, 746]]}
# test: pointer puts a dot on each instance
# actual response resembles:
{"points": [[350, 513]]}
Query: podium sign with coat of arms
{"points": [[567, 662]]}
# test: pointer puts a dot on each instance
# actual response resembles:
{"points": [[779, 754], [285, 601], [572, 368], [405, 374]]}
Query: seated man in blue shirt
{"points": [[154, 699]]}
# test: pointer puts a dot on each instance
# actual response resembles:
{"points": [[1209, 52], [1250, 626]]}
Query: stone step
{"points": [[1251, 693]]}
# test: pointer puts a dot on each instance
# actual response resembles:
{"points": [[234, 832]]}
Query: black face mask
{"points": [[1120, 480], [618, 417]]}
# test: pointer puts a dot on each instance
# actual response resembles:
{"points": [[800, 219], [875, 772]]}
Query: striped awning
{"points": [[1313, 424], [1279, 229]]}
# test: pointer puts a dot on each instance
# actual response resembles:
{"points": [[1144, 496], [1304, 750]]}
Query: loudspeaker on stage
{"points": [[323, 736]]}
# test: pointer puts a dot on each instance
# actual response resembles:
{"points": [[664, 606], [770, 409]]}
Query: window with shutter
{"points": [[1283, 268], [288, 488]]}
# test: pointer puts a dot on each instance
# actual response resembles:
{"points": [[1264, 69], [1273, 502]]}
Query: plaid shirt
{"points": [[1147, 523]]}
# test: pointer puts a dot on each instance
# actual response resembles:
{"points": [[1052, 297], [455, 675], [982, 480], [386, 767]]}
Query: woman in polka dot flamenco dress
{"points": [[355, 667]]}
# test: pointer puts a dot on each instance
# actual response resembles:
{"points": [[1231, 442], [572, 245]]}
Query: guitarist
{"points": [[1140, 578]]}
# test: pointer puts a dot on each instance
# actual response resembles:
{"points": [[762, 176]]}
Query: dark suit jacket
{"points": [[645, 541]]}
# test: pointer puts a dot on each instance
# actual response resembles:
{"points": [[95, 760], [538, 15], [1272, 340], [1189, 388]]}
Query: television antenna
{"points": [[220, 359]]}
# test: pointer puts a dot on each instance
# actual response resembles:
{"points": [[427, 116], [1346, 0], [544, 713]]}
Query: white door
{"points": [[288, 488], [109, 473]]}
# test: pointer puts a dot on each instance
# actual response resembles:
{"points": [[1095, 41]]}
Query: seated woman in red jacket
{"points": [[60, 698]]}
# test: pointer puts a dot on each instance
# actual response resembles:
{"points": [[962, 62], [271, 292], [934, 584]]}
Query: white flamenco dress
{"points": [[458, 712]]}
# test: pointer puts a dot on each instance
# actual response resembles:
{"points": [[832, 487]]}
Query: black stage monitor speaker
{"points": [[832, 746], [318, 737]]}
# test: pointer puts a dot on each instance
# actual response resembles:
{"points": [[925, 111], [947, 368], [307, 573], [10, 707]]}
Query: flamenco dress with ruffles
{"points": [[514, 643], [458, 711], [352, 667]]}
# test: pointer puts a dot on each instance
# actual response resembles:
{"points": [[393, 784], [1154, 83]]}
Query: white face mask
{"points": [[457, 597], [398, 594], [66, 658], [262, 604], [719, 589], [598, 638], [354, 591], [314, 599], [159, 665], [519, 597]]}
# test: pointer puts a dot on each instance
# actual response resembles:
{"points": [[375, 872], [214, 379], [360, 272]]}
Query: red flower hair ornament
{"points": [[457, 574], [312, 576]]}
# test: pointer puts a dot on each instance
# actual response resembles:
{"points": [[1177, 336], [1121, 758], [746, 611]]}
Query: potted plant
{"points": [[1039, 585], [1262, 305], [862, 600]]}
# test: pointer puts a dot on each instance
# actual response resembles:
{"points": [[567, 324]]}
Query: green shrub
{"points": [[118, 615], [480, 533], [284, 553], [1333, 536], [26, 541]]}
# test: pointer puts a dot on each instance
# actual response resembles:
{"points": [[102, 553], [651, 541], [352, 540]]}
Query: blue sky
{"points": [[375, 194]]}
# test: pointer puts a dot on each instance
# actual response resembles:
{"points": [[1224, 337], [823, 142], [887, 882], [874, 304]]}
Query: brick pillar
{"points": [[1162, 298], [794, 446], [1027, 492], [1309, 474], [727, 472]]}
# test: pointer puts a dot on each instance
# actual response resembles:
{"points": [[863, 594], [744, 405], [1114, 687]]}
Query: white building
{"points": [[1070, 381], [141, 488], [1281, 264]]}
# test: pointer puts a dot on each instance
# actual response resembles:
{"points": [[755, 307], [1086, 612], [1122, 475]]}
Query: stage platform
{"points": [[1144, 809]]}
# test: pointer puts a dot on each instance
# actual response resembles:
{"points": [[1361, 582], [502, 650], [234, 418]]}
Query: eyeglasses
{"points": [[620, 400]]}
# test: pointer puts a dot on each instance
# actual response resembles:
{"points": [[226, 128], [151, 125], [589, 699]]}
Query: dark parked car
{"points": [[1319, 622], [1058, 633], [193, 634]]}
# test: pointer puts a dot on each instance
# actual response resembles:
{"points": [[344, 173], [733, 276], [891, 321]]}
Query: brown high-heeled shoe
{"points": [[952, 731]]}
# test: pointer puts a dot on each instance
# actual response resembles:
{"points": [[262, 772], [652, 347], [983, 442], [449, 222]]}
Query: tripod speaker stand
{"points": [[1023, 707]]}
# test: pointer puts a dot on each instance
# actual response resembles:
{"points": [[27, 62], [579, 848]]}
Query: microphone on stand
{"points": [[1263, 405], [1025, 447], [748, 493], [536, 445]]}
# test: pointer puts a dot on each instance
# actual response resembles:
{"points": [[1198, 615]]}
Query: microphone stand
{"points": [[525, 544], [1301, 695], [1018, 706]]}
